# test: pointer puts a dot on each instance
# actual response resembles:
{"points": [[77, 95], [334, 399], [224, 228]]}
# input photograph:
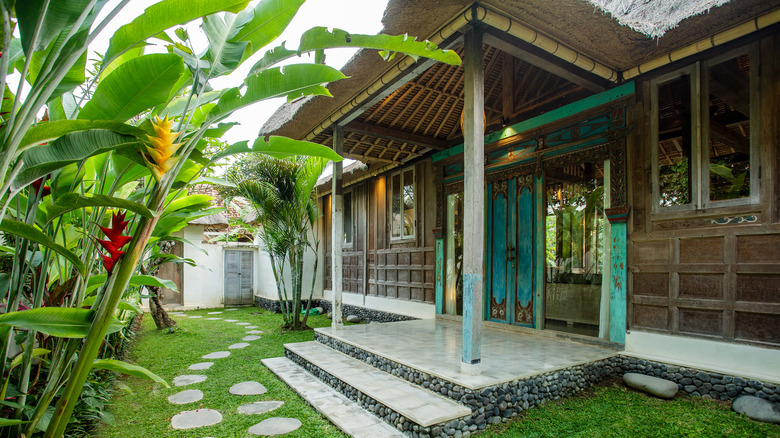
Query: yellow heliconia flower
{"points": [[162, 149]]}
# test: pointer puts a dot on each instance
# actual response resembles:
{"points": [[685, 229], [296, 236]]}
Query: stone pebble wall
{"points": [[367, 315], [501, 402]]}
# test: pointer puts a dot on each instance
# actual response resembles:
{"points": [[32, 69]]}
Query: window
{"points": [[348, 219], [705, 148], [402, 196]]}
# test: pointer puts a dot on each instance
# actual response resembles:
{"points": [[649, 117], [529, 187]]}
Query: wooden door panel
{"points": [[523, 312]]}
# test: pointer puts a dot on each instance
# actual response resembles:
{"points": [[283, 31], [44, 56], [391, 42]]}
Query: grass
{"points": [[610, 410], [146, 411]]}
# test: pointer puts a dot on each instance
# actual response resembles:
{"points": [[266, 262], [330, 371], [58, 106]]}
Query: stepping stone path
{"points": [[217, 355], [248, 388], [188, 379], [209, 417], [260, 407], [200, 366], [197, 418], [275, 426], [184, 397]]}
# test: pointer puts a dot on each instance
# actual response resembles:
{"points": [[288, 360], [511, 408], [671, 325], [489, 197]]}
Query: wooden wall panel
{"points": [[763, 248], [703, 286], [757, 327], [704, 322], [652, 252], [758, 288], [702, 250], [651, 284], [653, 317]]}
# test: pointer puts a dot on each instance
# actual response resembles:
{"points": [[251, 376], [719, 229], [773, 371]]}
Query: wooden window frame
{"points": [[349, 244], [413, 235], [700, 181]]}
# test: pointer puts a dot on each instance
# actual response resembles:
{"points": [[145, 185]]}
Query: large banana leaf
{"points": [[164, 15], [72, 201], [134, 87], [62, 322], [33, 234], [129, 369], [320, 38], [136, 280], [57, 17], [223, 55], [188, 203], [176, 221], [279, 147], [45, 132], [290, 81], [76, 146], [123, 304], [265, 22]]}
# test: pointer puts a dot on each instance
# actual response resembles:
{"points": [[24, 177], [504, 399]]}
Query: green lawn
{"points": [[607, 411], [147, 413]]}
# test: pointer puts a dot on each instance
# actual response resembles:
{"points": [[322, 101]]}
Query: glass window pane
{"points": [[348, 217], [408, 180], [453, 283], [574, 247], [674, 142], [395, 220], [729, 132]]}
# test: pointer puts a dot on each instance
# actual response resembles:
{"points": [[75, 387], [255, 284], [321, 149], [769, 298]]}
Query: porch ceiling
{"points": [[421, 112]]}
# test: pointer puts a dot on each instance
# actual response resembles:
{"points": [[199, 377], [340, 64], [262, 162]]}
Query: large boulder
{"points": [[652, 385], [758, 409], [353, 318]]}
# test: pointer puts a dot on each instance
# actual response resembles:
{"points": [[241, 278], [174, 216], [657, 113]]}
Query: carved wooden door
{"points": [[510, 235]]}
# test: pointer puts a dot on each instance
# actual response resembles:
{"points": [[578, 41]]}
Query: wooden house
{"points": [[617, 182]]}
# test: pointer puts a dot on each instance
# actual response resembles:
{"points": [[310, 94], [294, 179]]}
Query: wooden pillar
{"points": [[618, 273], [473, 201], [337, 229]]}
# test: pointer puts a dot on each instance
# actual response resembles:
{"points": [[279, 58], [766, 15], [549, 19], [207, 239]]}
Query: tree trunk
{"points": [[161, 318]]}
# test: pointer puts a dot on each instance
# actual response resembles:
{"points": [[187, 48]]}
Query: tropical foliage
{"points": [[94, 164], [282, 191]]}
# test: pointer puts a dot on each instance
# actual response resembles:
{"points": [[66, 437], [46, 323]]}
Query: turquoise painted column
{"points": [[439, 272], [618, 274]]}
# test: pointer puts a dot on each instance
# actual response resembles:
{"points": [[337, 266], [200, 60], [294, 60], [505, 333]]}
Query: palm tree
{"points": [[282, 191]]}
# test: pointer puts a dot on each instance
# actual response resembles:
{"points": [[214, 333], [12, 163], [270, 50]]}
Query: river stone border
{"points": [[364, 314], [497, 403]]}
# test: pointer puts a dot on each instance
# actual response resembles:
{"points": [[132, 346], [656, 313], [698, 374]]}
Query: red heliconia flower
{"points": [[37, 186], [115, 241]]}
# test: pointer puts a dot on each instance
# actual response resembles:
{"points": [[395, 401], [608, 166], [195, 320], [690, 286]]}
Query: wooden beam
{"points": [[535, 56], [507, 87], [337, 230], [395, 135]]}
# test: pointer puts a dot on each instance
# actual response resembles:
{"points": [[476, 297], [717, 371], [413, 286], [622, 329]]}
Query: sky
{"points": [[354, 16]]}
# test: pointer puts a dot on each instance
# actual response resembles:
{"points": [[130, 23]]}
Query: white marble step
{"points": [[341, 411], [419, 405]]}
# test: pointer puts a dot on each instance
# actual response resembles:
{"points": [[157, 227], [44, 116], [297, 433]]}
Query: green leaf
{"points": [[136, 280], [215, 181], [288, 81], [45, 132], [129, 369], [320, 38], [162, 16], [188, 203], [122, 305], [134, 87], [76, 146], [265, 22], [58, 16], [223, 56], [73, 201], [62, 322], [6, 422], [33, 234], [176, 221], [35, 353], [279, 147]]}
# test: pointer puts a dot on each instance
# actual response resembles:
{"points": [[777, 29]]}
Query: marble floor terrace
{"points": [[433, 346]]}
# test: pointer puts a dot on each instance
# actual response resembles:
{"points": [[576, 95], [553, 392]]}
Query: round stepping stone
{"points": [[248, 388], [200, 366], [237, 346], [251, 327], [260, 407], [196, 316], [243, 323], [230, 310], [250, 338], [214, 313], [197, 418], [188, 379], [231, 320], [254, 332], [213, 319], [217, 355], [275, 426], [184, 397]]}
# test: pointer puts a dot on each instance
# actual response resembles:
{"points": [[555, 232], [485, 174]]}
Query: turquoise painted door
{"points": [[509, 247]]}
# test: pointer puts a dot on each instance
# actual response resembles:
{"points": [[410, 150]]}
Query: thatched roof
{"points": [[217, 220], [654, 17]]}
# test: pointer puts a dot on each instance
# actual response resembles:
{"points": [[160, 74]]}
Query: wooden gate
{"points": [[510, 249], [239, 277]]}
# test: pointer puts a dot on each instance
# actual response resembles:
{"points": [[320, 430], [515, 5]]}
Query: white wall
{"points": [[722, 357], [202, 284], [267, 284], [401, 307]]}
